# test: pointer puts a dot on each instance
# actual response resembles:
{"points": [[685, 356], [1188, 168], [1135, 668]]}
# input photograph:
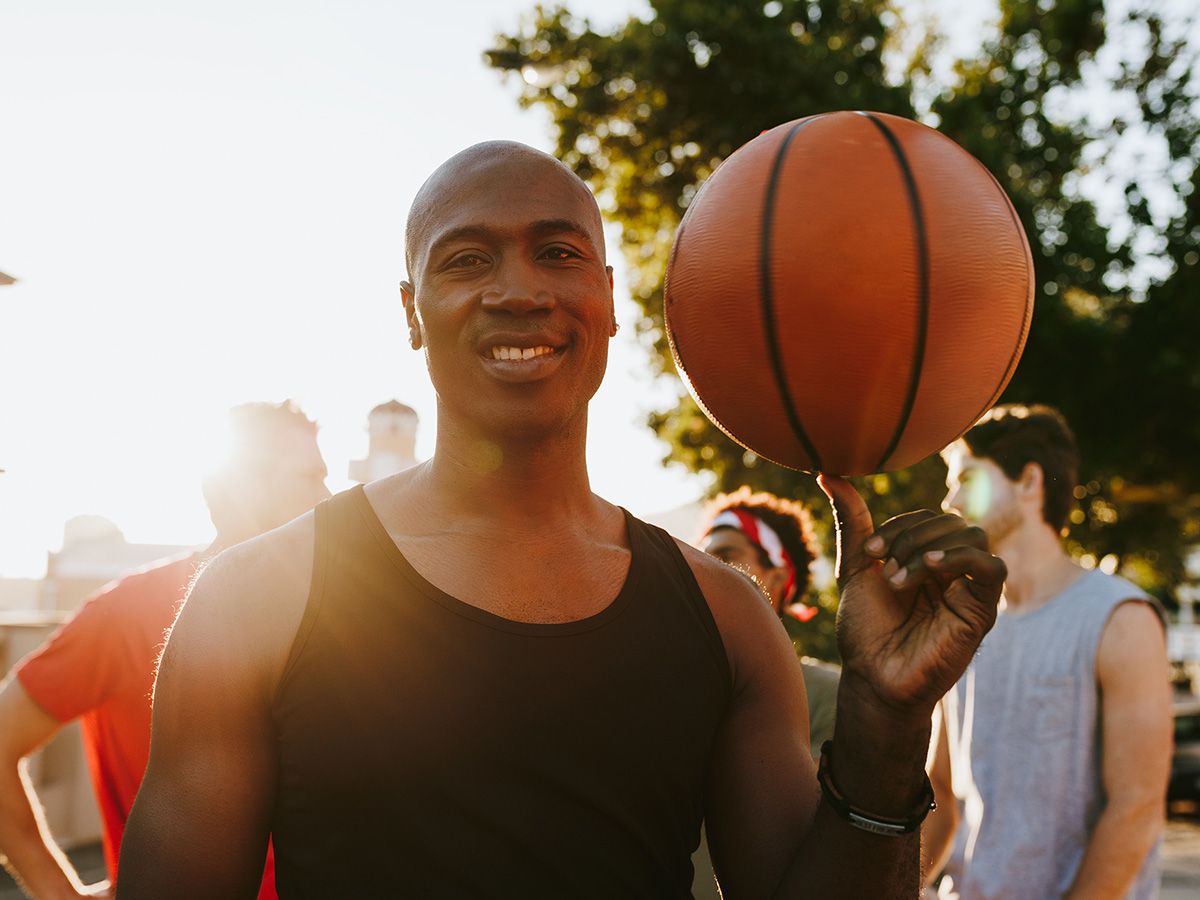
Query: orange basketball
{"points": [[848, 293]]}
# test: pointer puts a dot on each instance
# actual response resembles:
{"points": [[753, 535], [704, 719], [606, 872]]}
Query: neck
{"points": [[1038, 567], [515, 483]]}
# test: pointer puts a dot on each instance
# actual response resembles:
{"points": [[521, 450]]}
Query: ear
{"points": [[1032, 483], [408, 297], [774, 580], [612, 311]]}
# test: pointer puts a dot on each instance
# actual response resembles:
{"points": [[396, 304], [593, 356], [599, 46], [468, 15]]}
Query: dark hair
{"points": [[788, 519], [1014, 435]]}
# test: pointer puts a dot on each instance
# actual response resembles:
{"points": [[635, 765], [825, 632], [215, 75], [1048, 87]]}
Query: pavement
{"points": [[1181, 862], [1181, 859]]}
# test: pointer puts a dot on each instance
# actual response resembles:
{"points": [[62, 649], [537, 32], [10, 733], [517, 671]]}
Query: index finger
{"points": [[886, 534]]}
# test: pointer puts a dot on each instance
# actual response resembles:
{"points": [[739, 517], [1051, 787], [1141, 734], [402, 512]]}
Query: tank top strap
{"points": [[657, 556], [330, 519]]}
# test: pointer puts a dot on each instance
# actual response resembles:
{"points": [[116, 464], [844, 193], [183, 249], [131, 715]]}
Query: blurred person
{"points": [[99, 667], [478, 678], [772, 540], [1055, 745]]}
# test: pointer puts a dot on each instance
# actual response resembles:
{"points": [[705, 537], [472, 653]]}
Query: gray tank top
{"points": [[1023, 727]]}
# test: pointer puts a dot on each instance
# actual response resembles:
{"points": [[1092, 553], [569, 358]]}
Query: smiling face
{"points": [[511, 298]]}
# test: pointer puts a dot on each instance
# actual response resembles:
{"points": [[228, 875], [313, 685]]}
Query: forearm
{"points": [[1124, 834], [30, 853], [879, 766]]}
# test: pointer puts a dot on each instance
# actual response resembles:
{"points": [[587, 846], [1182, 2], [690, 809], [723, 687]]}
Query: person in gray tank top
{"points": [[1055, 744]]}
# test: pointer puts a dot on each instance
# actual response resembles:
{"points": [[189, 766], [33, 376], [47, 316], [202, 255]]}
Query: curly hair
{"points": [[788, 519]]}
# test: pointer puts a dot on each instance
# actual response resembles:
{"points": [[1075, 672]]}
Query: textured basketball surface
{"points": [[848, 293]]}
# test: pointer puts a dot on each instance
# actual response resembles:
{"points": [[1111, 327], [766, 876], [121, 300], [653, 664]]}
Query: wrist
{"points": [[868, 820], [881, 750]]}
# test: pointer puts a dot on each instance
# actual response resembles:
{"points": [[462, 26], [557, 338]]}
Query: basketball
{"points": [[848, 293]]}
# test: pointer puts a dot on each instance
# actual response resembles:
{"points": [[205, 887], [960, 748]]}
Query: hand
{"points": [[917, 597]]}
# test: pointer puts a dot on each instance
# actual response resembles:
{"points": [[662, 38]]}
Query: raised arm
{"points": [[29, 850], [200, 825], [1135, 696], [916, 599]]}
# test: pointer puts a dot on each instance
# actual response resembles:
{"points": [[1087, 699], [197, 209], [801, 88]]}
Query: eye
{"points": [[560, 253], [468, 259]]}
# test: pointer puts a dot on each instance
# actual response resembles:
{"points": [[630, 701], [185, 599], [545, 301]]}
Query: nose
{"points": [[517, 291], [950, 502]]}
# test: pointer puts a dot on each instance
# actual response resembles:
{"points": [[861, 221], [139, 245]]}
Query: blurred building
{"points": [[20, 594], [94, 552], [391, 442]]}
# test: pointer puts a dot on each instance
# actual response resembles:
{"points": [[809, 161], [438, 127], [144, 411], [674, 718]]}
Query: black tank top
{"points": [[431, 749]]}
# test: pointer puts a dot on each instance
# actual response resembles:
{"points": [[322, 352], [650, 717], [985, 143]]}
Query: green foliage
{"points": [[645, 113]]}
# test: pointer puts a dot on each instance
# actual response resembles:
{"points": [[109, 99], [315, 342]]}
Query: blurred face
{"points": [[294, 482], [980, 492], [512, 300], [733, 548]]}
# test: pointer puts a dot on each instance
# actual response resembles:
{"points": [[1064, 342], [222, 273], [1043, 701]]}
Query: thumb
{"points": [[853, 524]]}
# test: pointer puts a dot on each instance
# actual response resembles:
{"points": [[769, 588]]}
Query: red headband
{"points": [[763, 537]]}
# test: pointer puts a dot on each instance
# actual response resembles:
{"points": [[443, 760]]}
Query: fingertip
{"points": [[823, 484], [935, 556], [874, 545]]}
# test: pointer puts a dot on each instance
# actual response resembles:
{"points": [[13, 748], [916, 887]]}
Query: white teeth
{"points": [[520, 352]]}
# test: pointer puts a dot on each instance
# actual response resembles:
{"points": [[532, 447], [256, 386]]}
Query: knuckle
{"points": [[975, 536]]}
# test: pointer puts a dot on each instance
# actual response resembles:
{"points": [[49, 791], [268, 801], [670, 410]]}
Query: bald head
{"points": [[472, 169]]}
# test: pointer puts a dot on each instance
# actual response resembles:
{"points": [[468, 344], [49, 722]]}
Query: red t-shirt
{"points": [[99, 668]]}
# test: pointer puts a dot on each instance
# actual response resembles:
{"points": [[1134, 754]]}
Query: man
{"points": [[1056, 743], [477, 678], [99, 667], [771, 539]]}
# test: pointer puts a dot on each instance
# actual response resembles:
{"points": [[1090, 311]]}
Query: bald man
{"points": [[477, 678]]}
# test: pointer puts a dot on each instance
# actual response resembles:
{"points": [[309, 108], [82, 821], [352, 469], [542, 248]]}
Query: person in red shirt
{"points": [[99, 667]]}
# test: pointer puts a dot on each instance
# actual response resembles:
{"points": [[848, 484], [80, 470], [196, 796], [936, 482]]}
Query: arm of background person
{"points": [[937, 834], [770, 833], [201, 821], [32, 856], [1131, 668]]}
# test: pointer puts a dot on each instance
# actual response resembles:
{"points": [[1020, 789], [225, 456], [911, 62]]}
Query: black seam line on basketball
{"points": [[1019, 346], [767, 299], [914, 202]]}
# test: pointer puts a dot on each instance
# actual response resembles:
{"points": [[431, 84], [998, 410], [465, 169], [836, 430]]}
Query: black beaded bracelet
{"points": [[865, 820]]}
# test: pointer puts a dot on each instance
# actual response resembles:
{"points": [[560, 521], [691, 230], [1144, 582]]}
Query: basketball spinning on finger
{"points": [[848, 293]]}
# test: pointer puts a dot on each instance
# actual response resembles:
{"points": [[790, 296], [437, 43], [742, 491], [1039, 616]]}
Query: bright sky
{"points": [[203, 203]]}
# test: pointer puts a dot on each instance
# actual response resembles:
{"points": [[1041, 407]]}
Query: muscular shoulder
{"points": [[754, 637], [245, 607]]}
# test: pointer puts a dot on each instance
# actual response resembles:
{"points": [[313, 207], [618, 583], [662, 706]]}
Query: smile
{"points": [[521, 353]]}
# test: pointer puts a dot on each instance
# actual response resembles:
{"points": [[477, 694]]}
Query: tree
{"points": [[646, 113]]}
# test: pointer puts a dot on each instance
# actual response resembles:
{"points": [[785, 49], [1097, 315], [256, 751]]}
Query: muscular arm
{"points": [[770, 832], [937, 834], [31, 854], [200, 825], [765, 817], [1131, 668]]}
